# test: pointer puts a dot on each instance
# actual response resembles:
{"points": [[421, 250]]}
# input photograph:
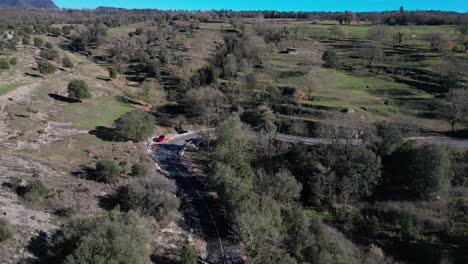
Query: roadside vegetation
{"points": [[83, 96]]}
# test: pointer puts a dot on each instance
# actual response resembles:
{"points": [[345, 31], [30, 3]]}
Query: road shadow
{"points": [[63, 98], [106, 134]]}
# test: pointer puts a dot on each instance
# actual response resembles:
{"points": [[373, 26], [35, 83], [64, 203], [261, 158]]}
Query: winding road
{"points": [[203, 213]]}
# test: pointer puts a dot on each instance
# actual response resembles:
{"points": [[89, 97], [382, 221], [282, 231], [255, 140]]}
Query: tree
{"points": [[107, 171], [230, 66], [437, 41], [78, 89], [389, 139], [49, 54], [337, 32], [207, 103], [136, 125], [424, 171], [456, 211], [115, 238], [378, 33], [4, 64], [67, 62], [148, 199], [456, 109], [38, 42], [330, 58], [370, 53], [6, 231], [26, 40], [46, 67]]}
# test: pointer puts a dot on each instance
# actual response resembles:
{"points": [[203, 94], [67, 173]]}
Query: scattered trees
{"points": [[136, 125], [116, 238], [207, 103], [78, 89], [147, 198], [371, 53]]}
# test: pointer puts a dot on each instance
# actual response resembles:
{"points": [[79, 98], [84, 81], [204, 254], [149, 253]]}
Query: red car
{"points": [[160, 139]]}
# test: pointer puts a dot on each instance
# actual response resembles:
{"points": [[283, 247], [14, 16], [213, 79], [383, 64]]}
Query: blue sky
{"points": [[286, 5]]}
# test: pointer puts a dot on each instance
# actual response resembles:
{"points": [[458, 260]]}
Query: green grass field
{"points": [[4, 89], [124, 29], [94, 112]]}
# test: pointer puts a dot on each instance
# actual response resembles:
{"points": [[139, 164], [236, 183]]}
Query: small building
{"points": [[413, 37], [291, 50]]}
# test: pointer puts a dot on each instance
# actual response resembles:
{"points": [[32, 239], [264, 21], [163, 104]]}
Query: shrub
{"points": [[188, 255], [26, 40], [139, 170], [330, 58], [46, 67], [38, 42], [139, 31], [116, 238], [146, 197], [49, 54], [78, 89], [107, 171], [6, 231], [13, 61], [4, 65], [49, 45], [66, 62], [136, 125], [113, 73]]}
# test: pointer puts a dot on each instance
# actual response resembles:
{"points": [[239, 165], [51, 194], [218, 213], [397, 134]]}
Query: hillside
{"points": [[28, 3]]}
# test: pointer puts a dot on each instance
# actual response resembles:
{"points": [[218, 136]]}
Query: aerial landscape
{"points": [[231, 132]]}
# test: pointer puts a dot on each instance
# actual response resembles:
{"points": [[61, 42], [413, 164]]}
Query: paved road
{"points": [[446, 141], [202, 212]]}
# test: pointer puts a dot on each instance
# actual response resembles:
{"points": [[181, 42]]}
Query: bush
{"points": [[38, 42], [49, 54], [107, 171], [139, 170], [26, 40], [139, 31], [13, 61], [330, 58], [6, 231], [113, 73], [46, 67], [136, 125], [66, 62], [188, 255], [49, 45], [146, 197], [116, 238], [4, 65], [78, 89]]}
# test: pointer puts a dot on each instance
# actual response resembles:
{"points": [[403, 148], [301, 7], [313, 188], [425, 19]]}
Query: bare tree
{"points": [[456, 107], [371, 53], [207, 103]]}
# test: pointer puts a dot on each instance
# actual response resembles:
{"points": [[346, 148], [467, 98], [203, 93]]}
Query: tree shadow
{"points": [[109, 201], [162, 260], [38, 246], [35, 75], [63, 98], [106, 134]]}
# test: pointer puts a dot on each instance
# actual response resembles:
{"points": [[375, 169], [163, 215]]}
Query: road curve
{"points": [[203, 213]]}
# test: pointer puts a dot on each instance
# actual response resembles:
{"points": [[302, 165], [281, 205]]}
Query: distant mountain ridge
{"points": [[28, 4]]}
